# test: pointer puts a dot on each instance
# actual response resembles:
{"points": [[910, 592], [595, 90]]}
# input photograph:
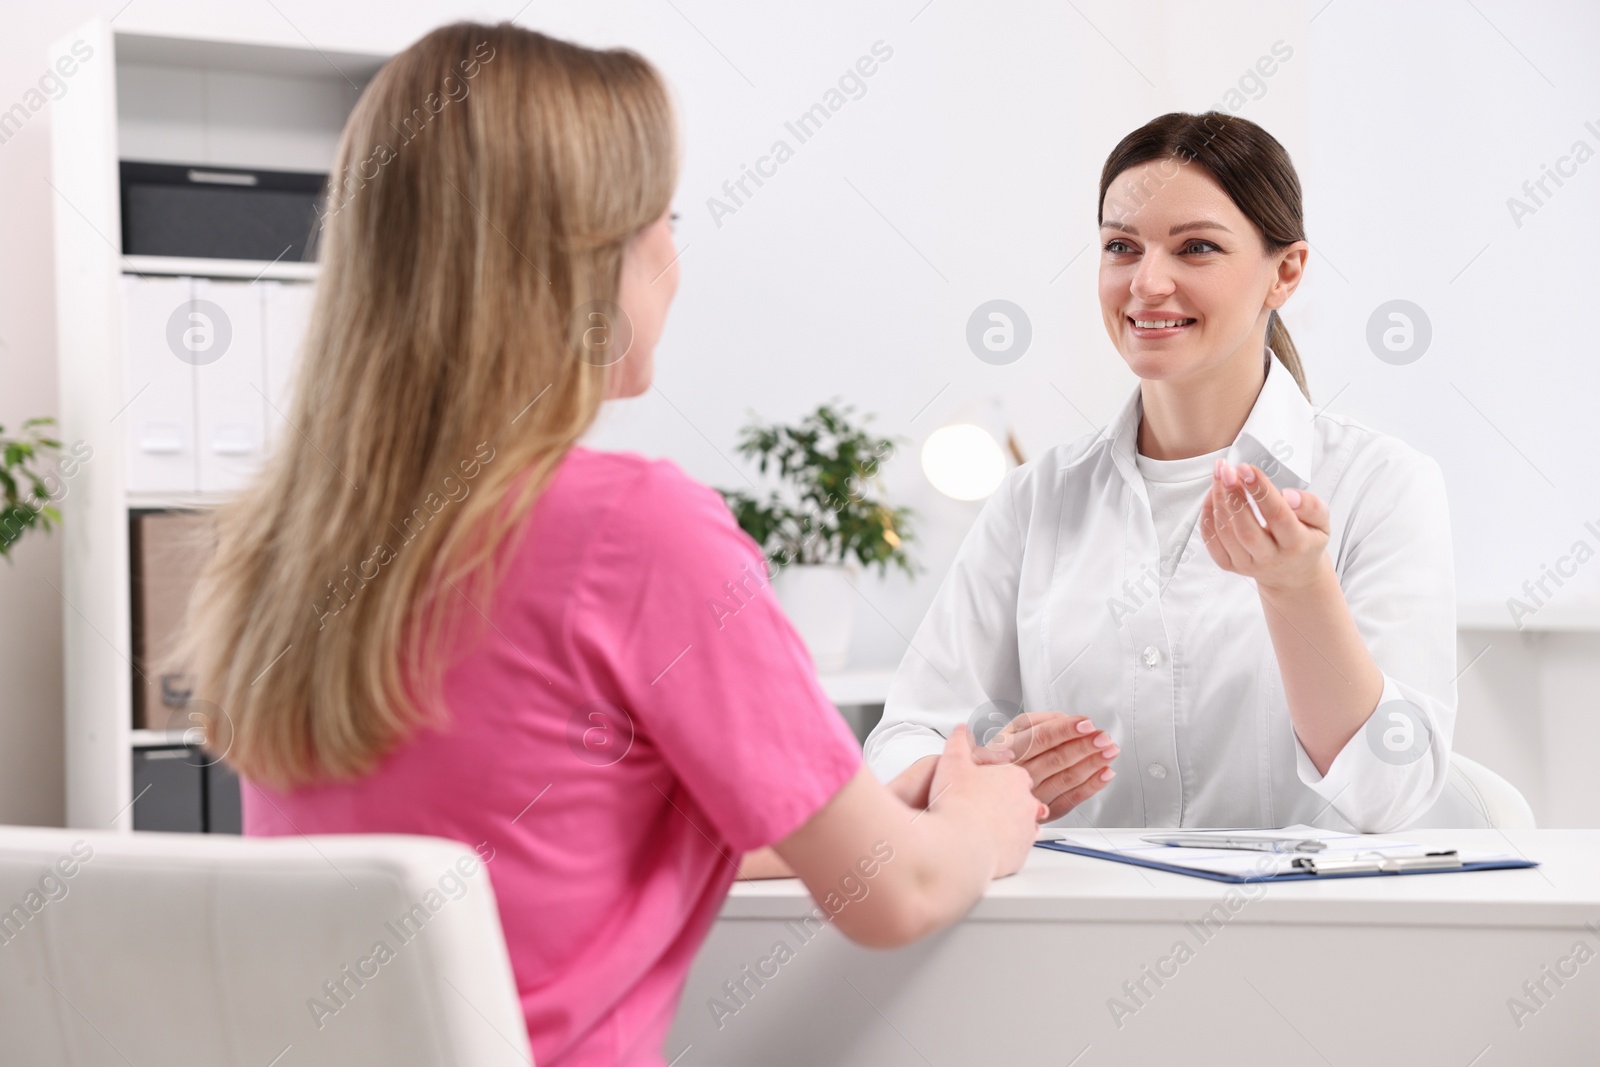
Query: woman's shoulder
{"points": [[1058, 480], [634, 521], [630, 472], [1358, 452], [1373, 482], [637, 492], [1058, 467], [1078, 453]]}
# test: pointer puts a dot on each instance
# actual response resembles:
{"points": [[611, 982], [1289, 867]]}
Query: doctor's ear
{"points": [[1291, 268]]}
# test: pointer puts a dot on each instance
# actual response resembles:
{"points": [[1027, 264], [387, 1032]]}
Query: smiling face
{"points": [[1186, 283]]}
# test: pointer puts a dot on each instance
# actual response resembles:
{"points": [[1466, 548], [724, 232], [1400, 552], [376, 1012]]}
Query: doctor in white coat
{"points": [[1226, 608]]}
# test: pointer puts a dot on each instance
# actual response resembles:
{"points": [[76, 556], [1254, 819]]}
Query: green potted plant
{"points": [[825, 519], [25, 499]]}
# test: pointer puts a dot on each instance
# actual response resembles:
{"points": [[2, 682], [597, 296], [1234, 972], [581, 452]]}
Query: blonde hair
{"points": [[484, 189]]}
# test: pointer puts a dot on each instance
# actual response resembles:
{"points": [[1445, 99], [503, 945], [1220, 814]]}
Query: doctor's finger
{"points": [[1225, 535], [1071, 778], [1049, 727], [1254, 540], [1309, 508], [1029, 720], [1062, 793], [1033, 741], [1052, 747], [1041, 760], [1082, 752], [1282, 523], [1248, 536]]}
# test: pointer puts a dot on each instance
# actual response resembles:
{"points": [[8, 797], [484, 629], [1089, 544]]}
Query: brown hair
{"points": [[1252, 168], [484, 189]]}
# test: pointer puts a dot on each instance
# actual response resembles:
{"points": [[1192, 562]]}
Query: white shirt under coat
{"points": [[1055, 603]]}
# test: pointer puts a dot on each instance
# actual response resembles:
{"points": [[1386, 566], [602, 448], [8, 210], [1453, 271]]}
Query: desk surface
{"points": [[1100, 964], [1564, 890]]}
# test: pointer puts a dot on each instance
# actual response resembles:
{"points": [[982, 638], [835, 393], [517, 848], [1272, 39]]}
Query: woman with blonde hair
{"points": [[436, 613]]}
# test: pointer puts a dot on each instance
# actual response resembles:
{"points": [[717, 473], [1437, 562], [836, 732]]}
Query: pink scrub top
{"points": [[639, 714]]}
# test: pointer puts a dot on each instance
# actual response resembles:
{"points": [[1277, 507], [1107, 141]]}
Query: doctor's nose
{"points": [[1153, 280]]}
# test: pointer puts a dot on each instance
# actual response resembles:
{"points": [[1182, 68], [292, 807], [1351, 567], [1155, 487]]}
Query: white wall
{"points": [[967, 171]]}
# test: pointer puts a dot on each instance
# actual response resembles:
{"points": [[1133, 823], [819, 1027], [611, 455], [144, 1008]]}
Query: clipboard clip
{"points": [[1378, 863]]}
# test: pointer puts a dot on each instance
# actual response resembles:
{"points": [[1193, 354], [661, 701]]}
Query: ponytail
{"points": [[1278, 340]]}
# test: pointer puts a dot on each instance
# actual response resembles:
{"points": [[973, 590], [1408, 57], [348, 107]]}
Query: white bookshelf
{"points": [[163, 99], [157, 738], [250, 270]]}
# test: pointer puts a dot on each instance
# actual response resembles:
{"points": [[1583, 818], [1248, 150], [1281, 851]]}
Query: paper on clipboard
{"points": [[1239, 864]]}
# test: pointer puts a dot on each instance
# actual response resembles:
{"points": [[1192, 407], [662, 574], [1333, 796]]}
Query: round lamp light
{"points": [[963, 461]]}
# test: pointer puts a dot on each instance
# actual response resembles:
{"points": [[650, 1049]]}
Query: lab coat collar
{"points": [[1276, 436]]}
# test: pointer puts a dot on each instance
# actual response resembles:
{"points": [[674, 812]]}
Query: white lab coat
{"points": [[1054, 604]]}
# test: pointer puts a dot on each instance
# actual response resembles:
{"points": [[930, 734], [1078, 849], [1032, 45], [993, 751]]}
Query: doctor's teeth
{"points": [[1157, 324]]}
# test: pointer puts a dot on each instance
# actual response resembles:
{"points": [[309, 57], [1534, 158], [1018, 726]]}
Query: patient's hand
{"points": [[911, 784], [1067, 758]]}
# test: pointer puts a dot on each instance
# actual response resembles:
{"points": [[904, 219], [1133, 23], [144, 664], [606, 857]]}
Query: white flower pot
{"points": [[820, 600]]}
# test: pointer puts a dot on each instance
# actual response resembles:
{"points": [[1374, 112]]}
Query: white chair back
{"points": [[1475, 798], [292, 952]]}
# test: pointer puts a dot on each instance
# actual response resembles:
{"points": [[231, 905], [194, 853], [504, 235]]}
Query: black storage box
{"points": [[179, 788], [218, 212]]}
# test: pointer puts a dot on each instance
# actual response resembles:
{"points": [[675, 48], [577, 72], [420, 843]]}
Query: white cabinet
{"points": [[208, 365], [286, 310], [158, 385], [230, 379]]}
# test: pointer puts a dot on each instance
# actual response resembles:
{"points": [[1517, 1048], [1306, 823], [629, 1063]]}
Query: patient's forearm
{"points": [[904, 872], [929, 891]]}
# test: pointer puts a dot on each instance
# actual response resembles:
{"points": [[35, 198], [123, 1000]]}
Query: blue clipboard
{"points": [[1497, 864]]}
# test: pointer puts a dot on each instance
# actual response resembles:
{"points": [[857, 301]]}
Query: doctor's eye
{"points": [[1117, 246], [1197, 247]]}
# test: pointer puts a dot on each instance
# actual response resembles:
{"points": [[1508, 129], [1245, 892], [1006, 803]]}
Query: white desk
{"points": [[1365, 972], [857, 686]]}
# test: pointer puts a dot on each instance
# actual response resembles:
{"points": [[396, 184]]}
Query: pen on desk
{"points": [[1255, 844]]}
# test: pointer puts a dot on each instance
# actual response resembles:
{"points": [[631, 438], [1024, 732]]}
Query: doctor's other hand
{"points": [[1067, 759], [997, 796], [1289, 553]]}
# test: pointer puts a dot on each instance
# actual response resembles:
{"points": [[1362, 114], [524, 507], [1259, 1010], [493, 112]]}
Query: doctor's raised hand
{"points": [[1289, 553], [1328, 675]]}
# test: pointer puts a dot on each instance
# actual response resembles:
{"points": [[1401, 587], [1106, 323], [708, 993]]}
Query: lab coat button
{"points": [[1156, 770], [1151, 657]]}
